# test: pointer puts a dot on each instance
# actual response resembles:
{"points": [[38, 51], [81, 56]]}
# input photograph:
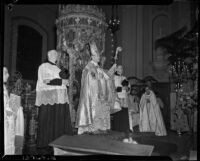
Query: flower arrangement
{"points": [[16, 85], [185, 108], [130, 141], [182, 47]]}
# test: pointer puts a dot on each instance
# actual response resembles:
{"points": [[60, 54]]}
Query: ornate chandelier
{"points": [[113, 26]]}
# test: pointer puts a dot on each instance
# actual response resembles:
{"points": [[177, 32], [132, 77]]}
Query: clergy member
{"points": [[93, 115], [53, 102], [151, 119], [121, 118]]}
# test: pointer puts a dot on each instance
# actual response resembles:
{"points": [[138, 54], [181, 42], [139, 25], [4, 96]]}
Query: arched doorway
{"points": [[29, 51], [29, 47]]}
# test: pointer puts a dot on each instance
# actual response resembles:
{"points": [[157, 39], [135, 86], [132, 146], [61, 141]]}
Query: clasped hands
{"points": [[64, 81], [97, 73], [125, 88], [46, 81]]}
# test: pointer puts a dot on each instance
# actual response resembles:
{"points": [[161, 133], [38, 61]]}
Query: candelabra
{"points": [[113, 23], [180, 72], [113, 26], [182, 69]]}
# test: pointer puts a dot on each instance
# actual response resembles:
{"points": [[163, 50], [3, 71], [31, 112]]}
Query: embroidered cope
{"points": [[95, 100]]}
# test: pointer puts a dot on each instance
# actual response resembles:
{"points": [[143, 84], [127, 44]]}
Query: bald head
{"points": [[119, 69], [52, 56], [5, 74]]}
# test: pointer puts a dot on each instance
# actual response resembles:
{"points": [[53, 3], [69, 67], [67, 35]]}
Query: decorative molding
{"points": [[163, 30], [11, 5], [51, 8], [90, 10], [157, 9]]}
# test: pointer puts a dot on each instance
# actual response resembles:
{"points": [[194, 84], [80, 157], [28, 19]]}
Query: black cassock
{"points": [[53, 119]]}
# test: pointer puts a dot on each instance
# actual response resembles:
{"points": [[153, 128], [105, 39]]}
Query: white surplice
{"points": [[133, 110], [9, 126], [151, 119]]}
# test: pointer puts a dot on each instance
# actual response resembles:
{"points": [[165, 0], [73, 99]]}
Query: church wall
{"points": [[140, 27], [117, 37], [129, 40], [37, 14], [135, 34]]}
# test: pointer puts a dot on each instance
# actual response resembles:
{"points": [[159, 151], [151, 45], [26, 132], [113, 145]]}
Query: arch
{"points": [[160, 28], [162, 14], [18, 21]]}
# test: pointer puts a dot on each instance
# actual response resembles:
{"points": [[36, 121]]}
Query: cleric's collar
{"points": [[117, 74], [51, 63]]}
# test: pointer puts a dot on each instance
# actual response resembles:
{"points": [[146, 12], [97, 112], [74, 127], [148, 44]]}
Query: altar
{"points": [[97, 145]]}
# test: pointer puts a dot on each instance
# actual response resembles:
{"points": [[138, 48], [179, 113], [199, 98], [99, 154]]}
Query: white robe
{"points": [[151, 119], [9, 126], [133, 110], [15, 104]]}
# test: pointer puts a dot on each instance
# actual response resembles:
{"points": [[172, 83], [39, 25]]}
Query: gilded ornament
{"points": [[77, 26]]}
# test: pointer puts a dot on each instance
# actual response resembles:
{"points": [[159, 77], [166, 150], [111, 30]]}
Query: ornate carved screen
{"points": [[77, 25]]}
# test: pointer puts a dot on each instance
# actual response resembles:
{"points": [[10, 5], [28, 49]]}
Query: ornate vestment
{"points": [[151, 119], [95, 100]]}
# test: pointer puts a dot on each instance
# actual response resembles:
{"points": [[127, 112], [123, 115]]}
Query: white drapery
{"points": [[9, 126], [15, 104], [151, 119]]}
